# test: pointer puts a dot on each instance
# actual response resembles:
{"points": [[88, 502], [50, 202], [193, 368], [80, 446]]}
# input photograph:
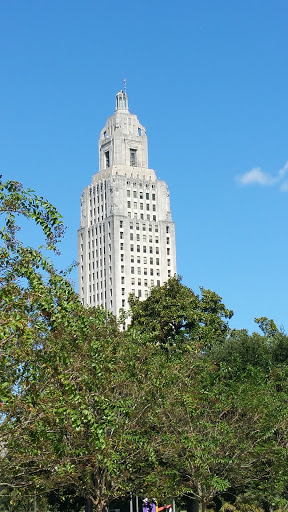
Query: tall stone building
{"points": [[126, 240]]}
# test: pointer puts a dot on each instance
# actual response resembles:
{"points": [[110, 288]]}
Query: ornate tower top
{"points": [[122, 101], [123, 140]]}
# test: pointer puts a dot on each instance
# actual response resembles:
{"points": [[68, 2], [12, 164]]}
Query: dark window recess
{"points": [[133, 157], [107, 159]]}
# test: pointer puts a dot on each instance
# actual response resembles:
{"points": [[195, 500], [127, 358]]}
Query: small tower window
{"points": [[107, 159], [133, 157], [139, 131]]}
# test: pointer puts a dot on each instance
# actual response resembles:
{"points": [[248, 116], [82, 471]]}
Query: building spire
{"points": [[122, 99]]}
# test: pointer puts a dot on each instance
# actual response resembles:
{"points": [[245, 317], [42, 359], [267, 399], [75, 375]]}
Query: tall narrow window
{"points": [[133, 157], [107, 159]]}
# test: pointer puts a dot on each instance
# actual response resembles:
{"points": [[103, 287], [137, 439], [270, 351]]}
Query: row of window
{"points": [[145, 271], [141, 216], [141, 205], [99, 197], [148, 185], [141, 194], [137, 225]]}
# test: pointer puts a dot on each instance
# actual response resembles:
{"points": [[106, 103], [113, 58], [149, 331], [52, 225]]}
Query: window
{"points": [[157, 261], [144, 238], [138, 248], [133, 157], [122, 280], [154, 217], [139, 271], [139, 281], [123, 303], [121, 235], [128, 193], [147, 206], [154, 207], [132, 247], [132, 259], [141, 206], [121, 247], [131, 236], [144, 259], [144, 248], [147, 195], [168, 262], [167, 229], [123, 291], [139, 293], [134, 193], [122, 257], [107, 159], [151, 249], [145, 282], [151, 261], [132, 280], [168, 251], [138, 259], [151, 272], [167, 240], [132, 270], [141, 195], [128, 204], [153, 197], [145, 271], [122, 269]]}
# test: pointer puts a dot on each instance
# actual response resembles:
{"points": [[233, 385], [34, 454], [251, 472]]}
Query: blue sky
{"points": [[209, 81]]}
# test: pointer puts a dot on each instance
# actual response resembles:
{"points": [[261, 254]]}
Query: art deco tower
{"points": [[126, 239]]}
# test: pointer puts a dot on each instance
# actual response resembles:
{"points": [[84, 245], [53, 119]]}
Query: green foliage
{"points": [[173, 316], [176, 405]]}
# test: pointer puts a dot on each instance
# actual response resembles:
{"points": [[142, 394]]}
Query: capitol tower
{"points": [[126, 239]]}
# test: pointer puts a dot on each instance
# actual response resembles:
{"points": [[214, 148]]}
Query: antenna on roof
{"points": [[124, 81]]}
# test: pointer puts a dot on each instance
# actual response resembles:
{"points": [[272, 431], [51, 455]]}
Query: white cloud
{"points": [[260, 177], [284, 186], [283, 171], [256, 175]]}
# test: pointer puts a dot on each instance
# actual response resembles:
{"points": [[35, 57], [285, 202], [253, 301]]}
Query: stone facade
{"points": [[126, 239]]}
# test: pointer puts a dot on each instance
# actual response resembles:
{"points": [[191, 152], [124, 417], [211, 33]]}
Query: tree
{"points": [[174, 316], [69, 410]]}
